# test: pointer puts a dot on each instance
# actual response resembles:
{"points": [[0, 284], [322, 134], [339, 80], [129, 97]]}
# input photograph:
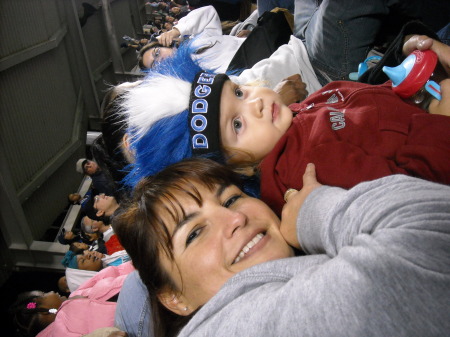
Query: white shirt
{"points": [[204, 24]]}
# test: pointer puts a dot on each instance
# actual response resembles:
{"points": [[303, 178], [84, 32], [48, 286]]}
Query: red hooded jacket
{"points": [[355, 132]]}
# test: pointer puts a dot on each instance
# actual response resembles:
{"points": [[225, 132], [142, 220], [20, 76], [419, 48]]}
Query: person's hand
{"points": [[423, 42], [292, 89], [243, 33], [69, 235], [294, 201], [118, 334], [441, 107], [167, 38]]}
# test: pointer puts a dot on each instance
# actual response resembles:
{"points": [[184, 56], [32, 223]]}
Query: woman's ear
{"points": [[174, 302]]}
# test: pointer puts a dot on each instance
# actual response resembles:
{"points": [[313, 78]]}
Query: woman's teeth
{"points": [[249, 246]]}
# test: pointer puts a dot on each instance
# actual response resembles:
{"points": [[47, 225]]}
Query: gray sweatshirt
{"points": [[379, 266]]}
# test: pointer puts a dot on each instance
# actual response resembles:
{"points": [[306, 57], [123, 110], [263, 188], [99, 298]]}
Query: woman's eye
{"points": [[238, 92], [193, 235], [231, 200], [237, 125], [157, 52]]}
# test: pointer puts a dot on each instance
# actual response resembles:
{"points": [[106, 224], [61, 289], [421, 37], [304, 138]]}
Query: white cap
{"points": [[79, 165]]}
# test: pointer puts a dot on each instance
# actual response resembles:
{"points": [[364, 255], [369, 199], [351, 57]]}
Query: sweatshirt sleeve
{"points": [[402, 213], [203, 20]]}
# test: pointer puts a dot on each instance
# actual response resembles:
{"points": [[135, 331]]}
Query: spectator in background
{"points": [[179, 12], [108, 237], [168, 26], [89, 308], [105, 205], [213, 48], [101, 183]]}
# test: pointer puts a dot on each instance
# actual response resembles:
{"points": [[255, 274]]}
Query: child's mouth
{"points": [[275, 111]]}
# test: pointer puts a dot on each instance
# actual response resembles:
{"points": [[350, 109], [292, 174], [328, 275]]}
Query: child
{"points": [[90, 307], [353, 132]]}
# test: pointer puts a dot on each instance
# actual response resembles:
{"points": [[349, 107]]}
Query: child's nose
{"points": [[256, 107]]}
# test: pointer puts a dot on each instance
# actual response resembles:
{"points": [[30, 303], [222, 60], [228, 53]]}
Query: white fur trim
{"points": [[158, 97]]}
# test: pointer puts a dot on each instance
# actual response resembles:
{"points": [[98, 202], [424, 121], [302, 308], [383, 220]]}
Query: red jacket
{"points": [[355, 132]]}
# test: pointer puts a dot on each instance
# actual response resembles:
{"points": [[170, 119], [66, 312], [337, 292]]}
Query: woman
{"points": [[216, 49], [215, 262]]}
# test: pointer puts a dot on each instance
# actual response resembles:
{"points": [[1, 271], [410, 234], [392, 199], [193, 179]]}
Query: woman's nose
{"points": [[231, 221]]}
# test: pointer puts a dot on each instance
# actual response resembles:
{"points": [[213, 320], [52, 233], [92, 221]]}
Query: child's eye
{"points": [[231, 200], [237, 125], [238, 92], [193, 235]]}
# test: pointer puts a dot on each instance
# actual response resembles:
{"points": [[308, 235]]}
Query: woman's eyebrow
{"points": [[184, 221], [221, 189], [189, 217]]}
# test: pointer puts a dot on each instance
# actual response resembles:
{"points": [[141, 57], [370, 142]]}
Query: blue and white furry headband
{"points": [[157, 115]]}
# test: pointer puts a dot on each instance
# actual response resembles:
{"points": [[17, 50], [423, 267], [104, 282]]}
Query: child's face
{"points": [[252, 120]]}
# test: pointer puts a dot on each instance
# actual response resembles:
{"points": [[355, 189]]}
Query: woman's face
{"points": [[156, 54], [228, 233], [252, 119]]}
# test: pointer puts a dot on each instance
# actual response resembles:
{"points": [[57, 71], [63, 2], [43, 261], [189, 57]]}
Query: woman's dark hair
{"points": [[25, 314], [144, 234]]}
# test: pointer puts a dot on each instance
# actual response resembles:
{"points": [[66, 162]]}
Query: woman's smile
{"points": [[251, 247]]}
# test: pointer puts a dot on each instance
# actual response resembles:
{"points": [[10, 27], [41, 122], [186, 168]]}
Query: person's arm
{"points": [[291, 89], [394, 55], [288, 59], [294, 201], [204, 20], [397, 211]]}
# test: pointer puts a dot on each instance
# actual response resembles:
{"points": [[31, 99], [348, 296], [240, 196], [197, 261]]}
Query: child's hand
{"points": [[294, 201], [441, 107], [423, 42], [291, 89]]}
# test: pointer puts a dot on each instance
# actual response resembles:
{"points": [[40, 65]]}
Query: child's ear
{"points": [[128, 153], [174, 302]]}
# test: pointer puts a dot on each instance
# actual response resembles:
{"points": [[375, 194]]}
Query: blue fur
{"points": [[166, 143]]}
